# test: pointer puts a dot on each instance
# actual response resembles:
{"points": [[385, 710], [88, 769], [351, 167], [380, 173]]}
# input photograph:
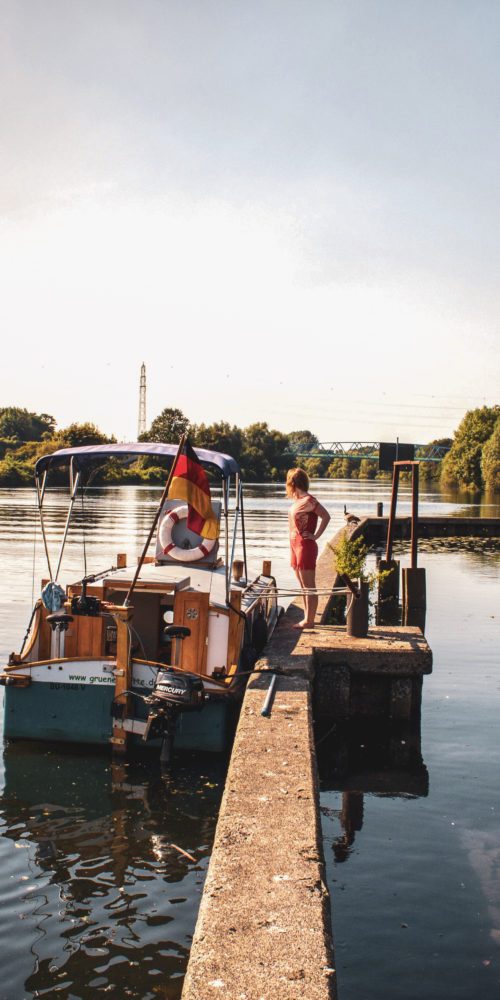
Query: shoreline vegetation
{"points": [[264, 454]]}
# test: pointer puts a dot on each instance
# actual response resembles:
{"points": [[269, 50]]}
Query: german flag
{"points": [[190, 483]]}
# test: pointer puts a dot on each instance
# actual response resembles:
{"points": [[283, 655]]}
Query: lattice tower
{"points": [[142, 402]]}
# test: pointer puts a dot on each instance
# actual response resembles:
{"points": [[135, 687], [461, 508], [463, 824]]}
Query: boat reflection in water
{"points": [[106, 888]]}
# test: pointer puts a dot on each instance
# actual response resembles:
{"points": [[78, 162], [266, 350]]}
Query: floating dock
{"points": [[264, 925]]}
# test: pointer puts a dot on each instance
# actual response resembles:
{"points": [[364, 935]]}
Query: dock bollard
{"points": [[380, 509], [266, 708]]}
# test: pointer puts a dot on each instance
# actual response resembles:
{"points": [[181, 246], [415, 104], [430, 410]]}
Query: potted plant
{"points": [[350, 561]]}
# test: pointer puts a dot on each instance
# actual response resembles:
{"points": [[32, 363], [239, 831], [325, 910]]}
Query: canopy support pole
{"points": [[226, 539], [40, 491], [236, 514], [155, 522], [74, 491], [243, 530]]}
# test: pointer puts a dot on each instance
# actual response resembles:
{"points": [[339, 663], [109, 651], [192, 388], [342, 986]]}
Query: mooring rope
{"points": [[289, 592]]}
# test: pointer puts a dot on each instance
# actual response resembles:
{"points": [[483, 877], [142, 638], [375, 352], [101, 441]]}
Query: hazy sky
{"points": [[288, 210]]}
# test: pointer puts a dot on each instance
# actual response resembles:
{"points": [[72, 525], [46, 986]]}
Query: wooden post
{"points": [[392, 514], [414, 515], [414, 587], [123, 673], [266, 567], [238, 567]]}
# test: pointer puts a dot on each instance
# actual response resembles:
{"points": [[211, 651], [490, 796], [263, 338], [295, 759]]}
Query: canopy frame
{"points": [[80, 458]]}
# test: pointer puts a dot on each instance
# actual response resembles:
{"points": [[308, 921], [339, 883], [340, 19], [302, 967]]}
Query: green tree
{"points": [[490, 462], [462, 465], [341, 468], [218, 437], [264, 456], [80, 435], [315, 467], [168, 427], [302, 441], [431, 470], [14, 472], [23, 425], [367, 469]]}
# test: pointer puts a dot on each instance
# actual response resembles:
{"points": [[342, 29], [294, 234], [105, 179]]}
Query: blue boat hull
{"points": [[81, 713]]}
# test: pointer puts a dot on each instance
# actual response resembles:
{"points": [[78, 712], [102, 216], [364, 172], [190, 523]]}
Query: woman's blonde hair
{"points": [[296, 479]]}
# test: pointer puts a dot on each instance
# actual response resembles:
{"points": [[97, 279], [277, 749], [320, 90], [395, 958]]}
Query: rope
{"points": [[285, 592], [347, 610], [325, 735]]}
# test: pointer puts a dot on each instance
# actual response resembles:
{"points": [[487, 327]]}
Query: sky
{"points": [[288, 211]]}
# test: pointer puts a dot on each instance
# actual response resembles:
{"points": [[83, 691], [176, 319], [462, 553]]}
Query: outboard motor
{"points": [[174, 691]]}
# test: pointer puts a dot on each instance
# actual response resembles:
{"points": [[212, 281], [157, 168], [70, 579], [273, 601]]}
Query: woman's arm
{"points": [[324, 518]]}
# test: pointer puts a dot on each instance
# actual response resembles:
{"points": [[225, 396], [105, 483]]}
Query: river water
{"points": [[102, 865]]}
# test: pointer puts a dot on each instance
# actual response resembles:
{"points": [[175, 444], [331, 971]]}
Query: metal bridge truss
{"points": [[359, 450]]}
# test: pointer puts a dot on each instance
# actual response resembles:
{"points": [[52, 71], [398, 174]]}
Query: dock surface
{"points": [[263, 930], [264, 926]]}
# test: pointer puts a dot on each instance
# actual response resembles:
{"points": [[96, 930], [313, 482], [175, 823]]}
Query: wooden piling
{"points": [[414, 587]]}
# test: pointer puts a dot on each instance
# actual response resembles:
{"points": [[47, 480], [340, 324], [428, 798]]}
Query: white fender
{"points": [[169, 547]]}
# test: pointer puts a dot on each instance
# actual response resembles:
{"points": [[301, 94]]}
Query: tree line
{"points": [[264, 454]]}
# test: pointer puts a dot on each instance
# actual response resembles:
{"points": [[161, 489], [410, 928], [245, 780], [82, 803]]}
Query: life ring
{"points": [[171, 518]]}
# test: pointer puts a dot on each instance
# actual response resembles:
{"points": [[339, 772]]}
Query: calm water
{"points": [[97, 896]]}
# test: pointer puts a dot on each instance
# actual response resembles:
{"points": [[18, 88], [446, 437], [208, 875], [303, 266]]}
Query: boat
{"points": [[149, 654]]}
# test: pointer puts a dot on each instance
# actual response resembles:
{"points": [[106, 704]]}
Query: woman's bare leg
{"points": [[307, 579], [311, 600], [299, 578]]}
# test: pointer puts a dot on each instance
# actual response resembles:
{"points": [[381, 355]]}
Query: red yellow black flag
{"points": [[190, 483]]}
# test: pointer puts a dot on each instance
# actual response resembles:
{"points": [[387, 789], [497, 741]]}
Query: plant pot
{"points": [[357, 615]]}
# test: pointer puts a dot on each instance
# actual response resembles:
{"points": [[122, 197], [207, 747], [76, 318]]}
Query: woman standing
{"points": [[303, 518]]}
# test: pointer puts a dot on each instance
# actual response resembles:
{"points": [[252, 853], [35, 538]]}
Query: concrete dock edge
{"points": [[264, 928], [264, 925]]}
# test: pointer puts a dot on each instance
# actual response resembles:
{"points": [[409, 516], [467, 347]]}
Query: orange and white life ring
{"points": [[171, 518]]}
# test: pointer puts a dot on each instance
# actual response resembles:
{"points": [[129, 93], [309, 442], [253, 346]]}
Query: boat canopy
{"points": [[82, 457]]}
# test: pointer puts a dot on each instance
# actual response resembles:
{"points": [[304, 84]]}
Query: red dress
{"points": [[303, 519]]}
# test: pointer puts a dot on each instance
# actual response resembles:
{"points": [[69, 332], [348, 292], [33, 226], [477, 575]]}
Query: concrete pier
{"points": [[264, 930]]}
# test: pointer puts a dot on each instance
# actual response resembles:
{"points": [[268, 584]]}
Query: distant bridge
{"points": [[358, 450]]}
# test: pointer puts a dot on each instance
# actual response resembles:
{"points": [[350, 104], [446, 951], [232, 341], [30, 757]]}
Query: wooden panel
{"points": [[71, 640], [45, 638], [161, 586], [84, 637], [191, 609], [92, 590], [89, 636]]}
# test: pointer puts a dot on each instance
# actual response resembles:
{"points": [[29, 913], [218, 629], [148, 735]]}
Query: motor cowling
{"points": [[178, 688]]}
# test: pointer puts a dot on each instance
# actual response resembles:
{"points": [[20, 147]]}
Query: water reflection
{"points": [[95, 897], [483, 850], [377, 758], [112, 855]]}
